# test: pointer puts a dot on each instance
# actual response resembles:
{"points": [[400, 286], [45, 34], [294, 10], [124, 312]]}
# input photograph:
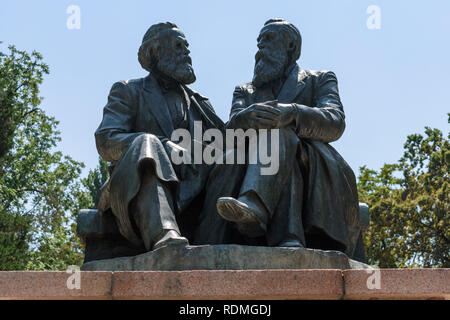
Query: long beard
{"points": [[268, 68], [181, 71]]}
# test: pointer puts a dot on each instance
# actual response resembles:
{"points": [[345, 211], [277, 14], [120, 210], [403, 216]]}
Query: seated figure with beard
{"points": [[149, 196], [312, 200]]}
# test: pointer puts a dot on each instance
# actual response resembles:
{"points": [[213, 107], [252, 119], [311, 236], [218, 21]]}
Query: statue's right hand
{"points": [[257, 116]]}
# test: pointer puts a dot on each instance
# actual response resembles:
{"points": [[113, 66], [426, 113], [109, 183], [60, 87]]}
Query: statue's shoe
{"points": [[291, 243], [244, 214], [171, 237]]}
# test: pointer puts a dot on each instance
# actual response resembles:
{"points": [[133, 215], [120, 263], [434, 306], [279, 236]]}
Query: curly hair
{"points": [[150, 43]]}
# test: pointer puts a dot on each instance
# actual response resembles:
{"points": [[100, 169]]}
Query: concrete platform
{"points": [[230, 284]]}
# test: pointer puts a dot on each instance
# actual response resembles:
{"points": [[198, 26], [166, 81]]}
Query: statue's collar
{"points": [[293, 85]]}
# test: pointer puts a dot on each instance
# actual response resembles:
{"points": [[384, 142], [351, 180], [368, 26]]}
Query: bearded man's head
{"points": [[164, 49], [279, 44]]}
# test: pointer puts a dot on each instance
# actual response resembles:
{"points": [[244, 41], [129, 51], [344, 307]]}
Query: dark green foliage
{"points": [[410, 203]]}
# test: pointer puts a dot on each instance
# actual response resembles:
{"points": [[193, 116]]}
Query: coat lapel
{"points": [[158, 105], [199, 109], [210, 117], [293, 85]]}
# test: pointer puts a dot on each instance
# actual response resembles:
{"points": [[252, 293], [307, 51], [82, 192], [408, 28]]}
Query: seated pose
{"points": [[148, 194], [311, 201]]}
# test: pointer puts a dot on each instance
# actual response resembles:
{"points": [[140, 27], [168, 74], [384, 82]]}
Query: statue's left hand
{"points": [[287, 113]]}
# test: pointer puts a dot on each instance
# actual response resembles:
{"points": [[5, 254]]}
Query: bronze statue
{"points": [[309, 201], [151, 198], [312, 200]]}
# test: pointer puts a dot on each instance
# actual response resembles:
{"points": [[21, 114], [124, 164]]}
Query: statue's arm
{"points": [[115, 133], [238, 104], [325, 120]]}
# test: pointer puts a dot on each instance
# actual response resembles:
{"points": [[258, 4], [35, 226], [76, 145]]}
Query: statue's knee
{"points": [[146, 137], [146, 140]]}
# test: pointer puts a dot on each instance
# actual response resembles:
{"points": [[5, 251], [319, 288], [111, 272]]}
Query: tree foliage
{"points": [[95, 181], [20, 76], [39, 186], [409, 203]]}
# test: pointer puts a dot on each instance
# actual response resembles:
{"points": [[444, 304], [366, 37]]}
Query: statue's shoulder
{"points": [[135, 82], [320, 74], [128, 85]]}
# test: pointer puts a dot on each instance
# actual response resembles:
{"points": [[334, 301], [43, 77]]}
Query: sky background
{"points": [[393, 81]]}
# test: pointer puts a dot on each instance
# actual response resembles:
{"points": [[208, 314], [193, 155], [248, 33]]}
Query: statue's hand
{"points": [[287, 114], [258, 116]]}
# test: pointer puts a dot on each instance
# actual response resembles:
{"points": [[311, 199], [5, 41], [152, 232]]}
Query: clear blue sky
{"points": [[393, 81]]}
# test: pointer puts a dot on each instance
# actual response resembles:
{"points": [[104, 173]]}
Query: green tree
{"points": [[95, 180], [39, 187], [20, 76], [409, 203], [63, 245]]}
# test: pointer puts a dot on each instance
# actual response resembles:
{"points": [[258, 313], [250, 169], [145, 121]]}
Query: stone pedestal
{"points": [[102, 240], [228, 284], [226, 257]]}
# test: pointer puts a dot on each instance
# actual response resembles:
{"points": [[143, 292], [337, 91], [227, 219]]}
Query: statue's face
{"points": [[272, 57], [174, 60]]}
